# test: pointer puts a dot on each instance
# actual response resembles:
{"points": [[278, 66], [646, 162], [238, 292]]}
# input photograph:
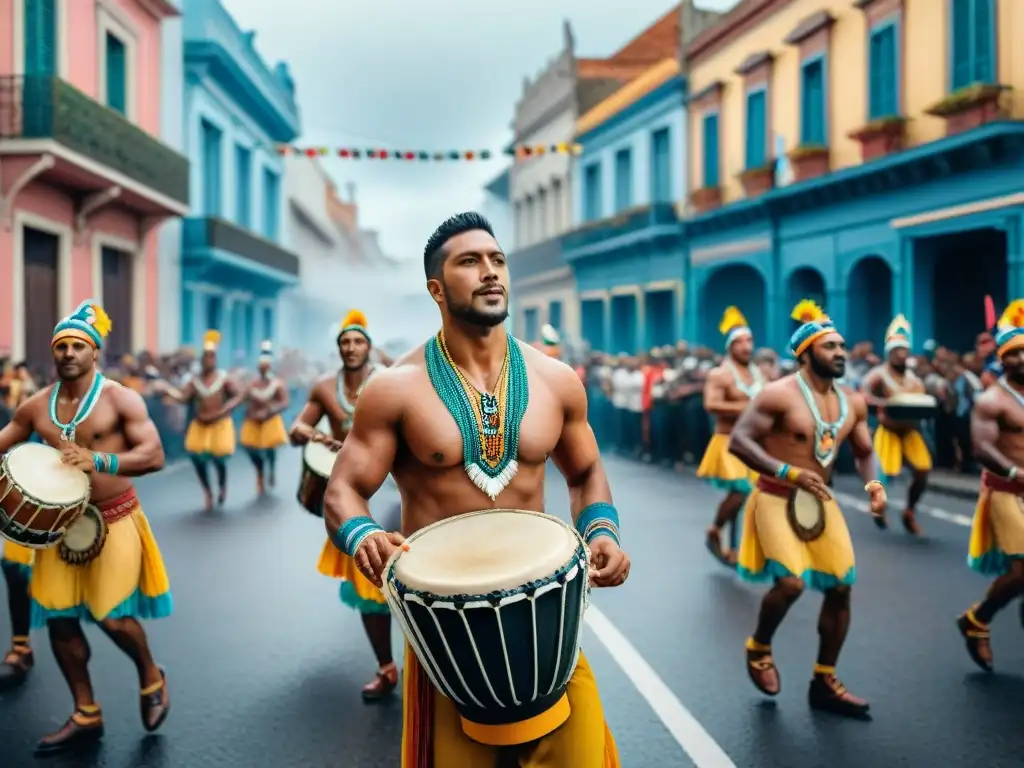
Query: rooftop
{"points": [[629, 94]]}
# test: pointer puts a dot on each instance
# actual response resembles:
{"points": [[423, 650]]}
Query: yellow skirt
{"points": [[432, 735], [893, 449], [997, 532], [17, 556], [127, 578], [215, 440], [356, 590], [263, 435], [770, 549], [723, 470]]}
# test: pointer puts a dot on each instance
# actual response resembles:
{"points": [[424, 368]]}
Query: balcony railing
{"points": [[49, 108], [217, 233], [626, 222]]}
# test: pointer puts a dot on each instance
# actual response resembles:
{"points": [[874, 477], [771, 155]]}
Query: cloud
{"points": [[436, 76]]}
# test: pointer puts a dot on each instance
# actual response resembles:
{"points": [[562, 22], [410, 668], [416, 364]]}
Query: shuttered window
{"points": [[757, 128], [40, 37], [883, 86], [973, 42], [812, 103], [117, 74], [711, 159], [623, 180], [661, 167]]}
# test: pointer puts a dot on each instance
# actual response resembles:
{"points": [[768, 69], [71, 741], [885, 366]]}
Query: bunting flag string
{"points": [[519, 152]]}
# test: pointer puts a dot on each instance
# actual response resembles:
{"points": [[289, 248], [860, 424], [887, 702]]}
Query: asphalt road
{"points": [[265, 665]]}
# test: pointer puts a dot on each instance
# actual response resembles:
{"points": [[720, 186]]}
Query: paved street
{"points": [[265, 665]]}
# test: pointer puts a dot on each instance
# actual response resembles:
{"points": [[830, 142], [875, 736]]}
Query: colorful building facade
{"points": [[866, 154], [86, 181], [234, 257]]}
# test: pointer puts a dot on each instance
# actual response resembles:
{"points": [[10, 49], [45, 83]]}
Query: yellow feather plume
{"points": [[1013, 316], [807, 312], [211, 338], [355, 317], [102, 323], [732, 318], [899, 326]]}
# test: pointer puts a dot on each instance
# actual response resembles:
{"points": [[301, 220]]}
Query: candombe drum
{"points": [[317, 463], [40, 496], [910, 406], [492, 605]]}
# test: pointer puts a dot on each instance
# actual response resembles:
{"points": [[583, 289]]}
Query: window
{"points": [[268, 323], [883, 68], [973, 43], [592, 192], [243, 186], [661, 167], [623, 179], [531, 325], [211, 145], [757, 128], [555, 315], [711, 162], [117, 74], [812, 103], [40, 37], [271, 200]]}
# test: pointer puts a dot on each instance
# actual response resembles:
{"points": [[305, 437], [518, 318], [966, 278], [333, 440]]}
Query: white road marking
{"points": [[696, 742], [939, 514]]}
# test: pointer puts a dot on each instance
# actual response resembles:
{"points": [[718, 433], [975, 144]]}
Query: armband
{"points": [[788, 473], [596, 520], [353, 533], [106, 463]]}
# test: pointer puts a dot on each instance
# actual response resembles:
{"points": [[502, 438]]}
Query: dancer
{"points": [[263, 430], [16, 563], [210, 437], [898, 442], [335, 396], [101, 428], [997, 532], [728, 390], [418, 421], [790, 435]]}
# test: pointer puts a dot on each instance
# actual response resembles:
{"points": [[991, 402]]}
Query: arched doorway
{"points": [[805, 283], [737, 285], [869, 302]]}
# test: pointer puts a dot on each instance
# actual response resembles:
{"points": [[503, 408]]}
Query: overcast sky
{"points": [[436, 75]]}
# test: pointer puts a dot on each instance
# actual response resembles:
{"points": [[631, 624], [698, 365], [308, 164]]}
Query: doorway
{"points": [[41, 251], [118, 302]]}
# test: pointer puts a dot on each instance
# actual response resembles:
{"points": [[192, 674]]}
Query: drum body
{"points": [[911, 406], [84, 538], [39, 495], [317, 463], [492, 605]]}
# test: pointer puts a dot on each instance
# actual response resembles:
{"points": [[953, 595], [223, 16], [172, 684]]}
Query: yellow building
{"points": [[857, 151]]}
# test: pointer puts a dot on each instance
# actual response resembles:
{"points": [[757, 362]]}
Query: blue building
{"points": [[237, 110], [626, 249]]}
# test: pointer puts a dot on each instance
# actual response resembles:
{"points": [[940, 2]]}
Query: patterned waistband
{"points": [[775, 487], [118, 507], [1001, 484]]}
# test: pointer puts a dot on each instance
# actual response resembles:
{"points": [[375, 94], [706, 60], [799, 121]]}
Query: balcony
{"points": [[536, 259], [93, 148], [626, 228], [221, 251]]}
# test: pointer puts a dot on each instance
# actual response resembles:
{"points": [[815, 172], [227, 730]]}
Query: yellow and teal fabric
{"points": [[88, 323], [263, 435], [16, 557], [723, 470], [211, 441], [355, 321], [997, 530], [893, 449], [356, 590], [897, 335], [814, 324], [1010, 328], [733, 326]]}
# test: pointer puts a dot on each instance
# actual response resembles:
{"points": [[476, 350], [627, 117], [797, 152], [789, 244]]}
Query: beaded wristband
{"points": [[598, 519], [353, 533], [107, 463], [786, 472]]}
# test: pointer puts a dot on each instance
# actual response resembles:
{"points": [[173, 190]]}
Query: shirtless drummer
{"points": [[335, 396], [790, 435], [423, 420], [728, 390], [101, 428], [997, 532], [897, 442]]}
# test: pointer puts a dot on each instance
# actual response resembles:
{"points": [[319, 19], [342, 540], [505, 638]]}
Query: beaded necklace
{"points": [[1009, 388], [348, 408], [264, 394], [751, 389], [92, 396], [208, 391], [825, 433], [894, 386], [489, 423]]}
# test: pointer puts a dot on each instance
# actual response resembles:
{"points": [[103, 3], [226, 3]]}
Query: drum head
{"points": [[319, 458], [83, 534], [481, 552], [38, 471], [806, 515]]}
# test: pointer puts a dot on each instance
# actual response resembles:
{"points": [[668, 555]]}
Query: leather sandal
{"points": [[82, 729], [17, 663], [383, 685], [155, 703], [978, 639], [910, 524], [762, 672], [828, 694]]}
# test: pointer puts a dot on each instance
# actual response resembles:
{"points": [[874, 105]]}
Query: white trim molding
{"points": [[18, 31], [956, 211], [65, 238], [110, 19], [135, 251]]}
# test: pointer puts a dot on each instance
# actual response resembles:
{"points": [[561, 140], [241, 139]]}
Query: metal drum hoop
{"points": [[803, 533], [73, 557]]}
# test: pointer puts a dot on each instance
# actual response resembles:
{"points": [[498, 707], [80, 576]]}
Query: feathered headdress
{"points": [[733, 326], [814, 324], [211, 340], [897, 335], [355, 320], [88, 323], [1010, 328], [266, 351]]}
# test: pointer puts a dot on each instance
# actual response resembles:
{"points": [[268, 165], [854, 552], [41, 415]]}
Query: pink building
{"points": [[84, 182]]}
